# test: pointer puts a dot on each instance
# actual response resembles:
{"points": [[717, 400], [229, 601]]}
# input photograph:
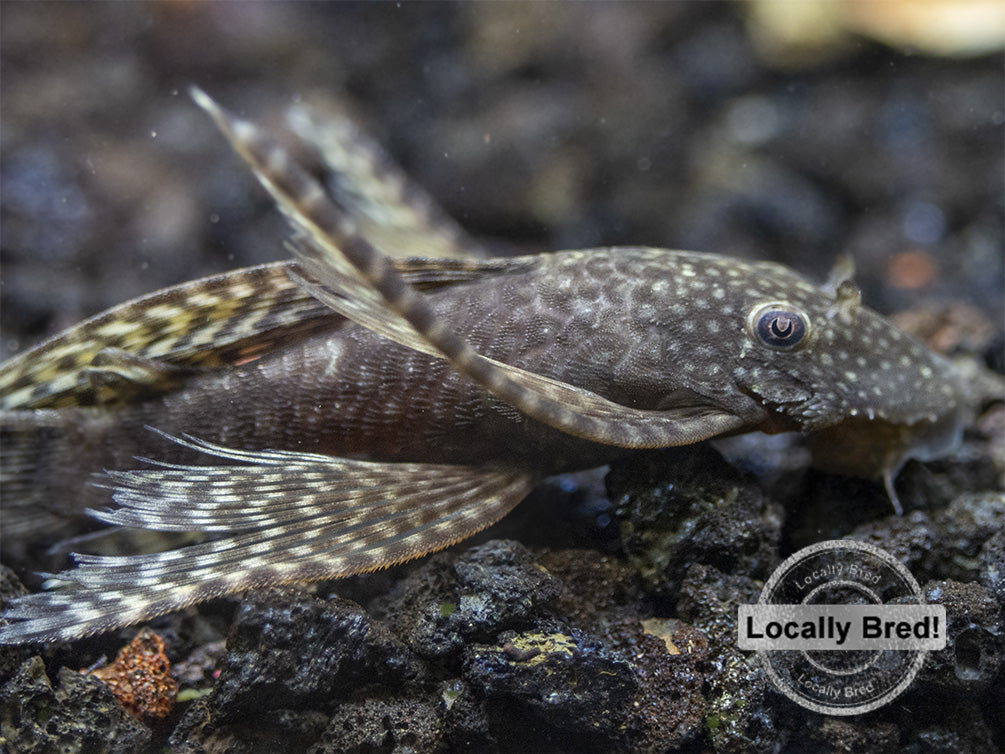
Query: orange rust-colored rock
{"points": [[141, 678]]}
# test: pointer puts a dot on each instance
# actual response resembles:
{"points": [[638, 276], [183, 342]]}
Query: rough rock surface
{"points": [[77, 713]]}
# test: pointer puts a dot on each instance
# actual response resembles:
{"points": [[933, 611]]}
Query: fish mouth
{"points": [[780, 416]]}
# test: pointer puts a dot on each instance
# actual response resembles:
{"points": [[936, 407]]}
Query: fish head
{"points": [[871, 395]]}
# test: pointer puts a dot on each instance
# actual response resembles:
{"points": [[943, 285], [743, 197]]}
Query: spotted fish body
{"points": [[350, 411]]}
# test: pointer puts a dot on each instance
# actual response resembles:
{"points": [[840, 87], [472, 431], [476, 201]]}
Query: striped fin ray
{"points": [[396, 215], [202, 323], [284, 516], [332, 251]]}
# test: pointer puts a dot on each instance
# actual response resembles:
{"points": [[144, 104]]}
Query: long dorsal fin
{"points": [[391, 211]]}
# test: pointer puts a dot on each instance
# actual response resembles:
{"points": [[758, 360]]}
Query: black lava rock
{"points": [[975, 646], [288, 649], [689, 506], [452, 600], [566, 691], [738, 717], [991, 565], [79, 714], [391, 726]]}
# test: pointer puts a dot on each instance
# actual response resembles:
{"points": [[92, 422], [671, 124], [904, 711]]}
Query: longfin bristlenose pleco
{"points": [[354, 409]]}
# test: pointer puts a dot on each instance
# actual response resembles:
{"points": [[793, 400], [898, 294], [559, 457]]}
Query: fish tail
{"points": [[279, 517], [43, 477]]}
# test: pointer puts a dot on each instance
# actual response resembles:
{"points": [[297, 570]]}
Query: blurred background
{"points": [[771, 130]]}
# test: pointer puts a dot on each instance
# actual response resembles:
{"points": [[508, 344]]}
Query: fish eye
{"points": [[779, 325]]}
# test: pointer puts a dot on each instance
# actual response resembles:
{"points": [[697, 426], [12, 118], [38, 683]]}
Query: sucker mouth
{"points": [[779, 417]]}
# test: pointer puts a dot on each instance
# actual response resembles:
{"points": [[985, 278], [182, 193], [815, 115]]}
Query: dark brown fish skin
{"points": [[350, 392], [458, 397], [625, 323]]}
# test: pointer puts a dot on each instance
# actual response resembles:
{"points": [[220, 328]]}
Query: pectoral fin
{"points": [[376, 295], [283, 517]]}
